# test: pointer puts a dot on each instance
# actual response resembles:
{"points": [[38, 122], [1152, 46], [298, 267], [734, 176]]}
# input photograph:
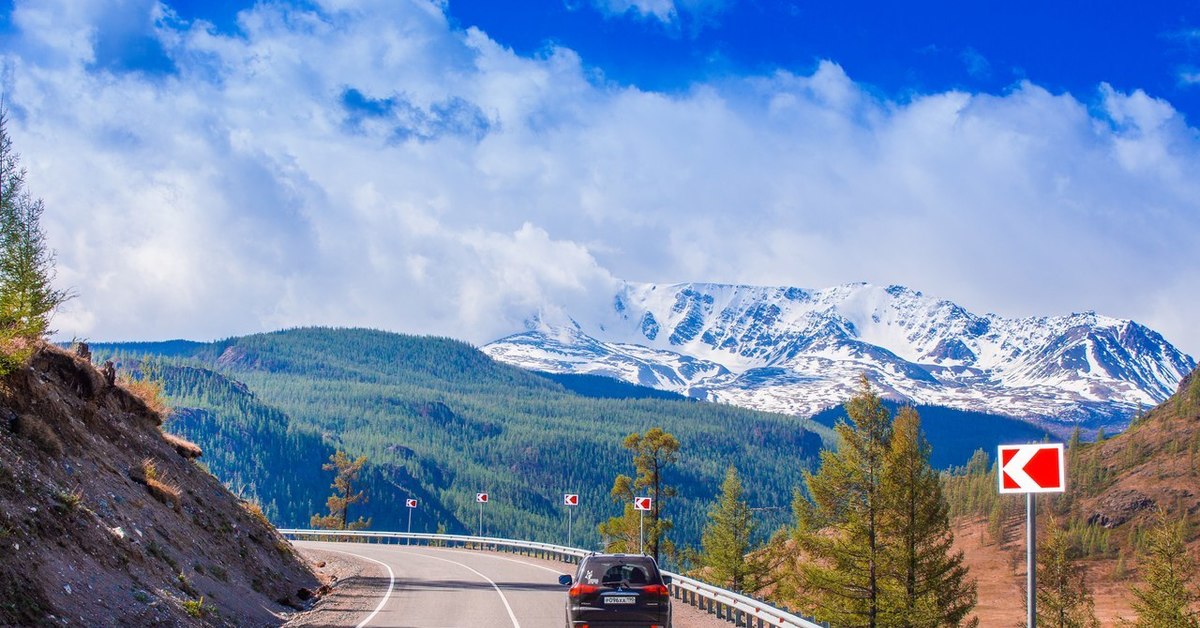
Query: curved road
{"points": [[428, 587], [435, 587]]}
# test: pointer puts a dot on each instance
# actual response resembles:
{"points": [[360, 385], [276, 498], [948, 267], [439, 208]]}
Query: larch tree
{"points": [[840, 528], [1063, 600], [1168, 597], [27, 294], [345, 476], [726, 537], [928, 582], [653, 452]]}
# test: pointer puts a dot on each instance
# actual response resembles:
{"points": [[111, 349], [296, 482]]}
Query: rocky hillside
{"points": [[1153, 466], [104, 520], [1117, 490], [799, 351]]}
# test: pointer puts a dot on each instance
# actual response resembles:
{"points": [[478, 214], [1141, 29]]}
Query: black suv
{"points": [[618, 590]]}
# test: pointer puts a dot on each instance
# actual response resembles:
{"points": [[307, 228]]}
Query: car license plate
{"points": [[621, 599]]}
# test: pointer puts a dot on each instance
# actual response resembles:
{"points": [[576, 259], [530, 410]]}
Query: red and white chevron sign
{"points": [[1032, 468], [481, 498], [570, 499], [642, 503], [411, 503]]}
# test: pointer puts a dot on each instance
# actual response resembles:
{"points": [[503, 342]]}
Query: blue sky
{"points": [[899, 48], [217, 168]]}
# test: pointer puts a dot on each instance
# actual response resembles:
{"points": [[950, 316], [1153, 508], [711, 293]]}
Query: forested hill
{"points": [[440, 420]]}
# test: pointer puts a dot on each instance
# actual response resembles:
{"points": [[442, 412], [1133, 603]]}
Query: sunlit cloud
{"points": [[369, 163]]}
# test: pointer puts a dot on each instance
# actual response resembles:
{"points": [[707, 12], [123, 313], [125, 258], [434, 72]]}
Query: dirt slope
{"points": [[104, 522], [1117, 488]]}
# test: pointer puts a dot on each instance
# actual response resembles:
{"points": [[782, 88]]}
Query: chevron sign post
{"points": [[410, 504], [570, 499], [642, 504], [1031, 469], [482, 498]]}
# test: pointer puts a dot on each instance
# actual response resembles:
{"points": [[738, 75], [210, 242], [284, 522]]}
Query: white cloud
{"points": [[668, 12], [369, 165], [663, 10]]}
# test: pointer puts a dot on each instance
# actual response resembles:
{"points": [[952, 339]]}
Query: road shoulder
{"points": [[356, 586]]}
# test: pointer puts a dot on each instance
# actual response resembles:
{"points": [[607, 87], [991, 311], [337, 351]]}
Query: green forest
{"points": [[438, 420]]}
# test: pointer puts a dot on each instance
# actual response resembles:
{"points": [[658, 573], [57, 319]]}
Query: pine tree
{"points": [[621, 534], [346, 474], [652, 452], [842, 582], [928, 584], [1063, 600], [726, 538], [27, 295], [1168, 597]]}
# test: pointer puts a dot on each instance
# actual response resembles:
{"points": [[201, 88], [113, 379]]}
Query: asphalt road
{"points": [[427, 587]]}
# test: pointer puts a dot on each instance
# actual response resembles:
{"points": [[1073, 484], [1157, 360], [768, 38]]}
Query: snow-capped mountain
{"points": [[799, 351]]}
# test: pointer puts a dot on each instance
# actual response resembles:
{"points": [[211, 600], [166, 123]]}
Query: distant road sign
{"points": [[642, 503], [481, 498], [411, 503], [1032, 468], [570, 499]]}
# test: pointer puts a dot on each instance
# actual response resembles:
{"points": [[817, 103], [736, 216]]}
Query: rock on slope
{"points": [[104, 521]]}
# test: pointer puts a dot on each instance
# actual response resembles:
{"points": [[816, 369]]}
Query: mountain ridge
{"points": [[798, 351]]}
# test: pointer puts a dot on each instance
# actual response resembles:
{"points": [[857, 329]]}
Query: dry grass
{"points": [[150, 392], [161, 490], [185, 448], [256, 511]]}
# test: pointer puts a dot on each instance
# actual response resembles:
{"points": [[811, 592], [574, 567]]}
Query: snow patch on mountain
{"points": [[798, 351]]}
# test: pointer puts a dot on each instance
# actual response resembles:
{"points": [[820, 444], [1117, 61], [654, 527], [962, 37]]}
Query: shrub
{"points": [[69, 500], [197, 608], [15, 351]]}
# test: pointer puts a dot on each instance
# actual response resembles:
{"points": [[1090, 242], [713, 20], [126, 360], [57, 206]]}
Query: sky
{"points": [[216, 168]]}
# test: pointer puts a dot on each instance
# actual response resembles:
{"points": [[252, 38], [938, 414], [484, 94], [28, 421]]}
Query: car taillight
{"points": [[656, 590], [580, 590]]}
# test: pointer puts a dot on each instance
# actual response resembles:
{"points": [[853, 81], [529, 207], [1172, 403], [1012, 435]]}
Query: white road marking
{"points": [[391, 584], [511, 615]]}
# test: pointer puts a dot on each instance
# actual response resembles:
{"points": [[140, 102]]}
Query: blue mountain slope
{"points": [[955, 434]]}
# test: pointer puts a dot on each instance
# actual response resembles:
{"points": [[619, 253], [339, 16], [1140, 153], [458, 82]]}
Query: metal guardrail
{"points": [[738, 609]]}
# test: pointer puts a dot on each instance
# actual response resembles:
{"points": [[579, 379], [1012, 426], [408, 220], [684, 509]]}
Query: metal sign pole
{"points": [[1031, 557], [641, 531], [409, 540], [480, 518], [568, 526]]}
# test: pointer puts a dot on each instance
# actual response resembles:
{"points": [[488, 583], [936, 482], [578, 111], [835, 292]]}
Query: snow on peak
{"points": [[798, 351]]}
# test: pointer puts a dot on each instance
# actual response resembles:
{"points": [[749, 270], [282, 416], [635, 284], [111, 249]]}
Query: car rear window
{"points": [[632, 570]]}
